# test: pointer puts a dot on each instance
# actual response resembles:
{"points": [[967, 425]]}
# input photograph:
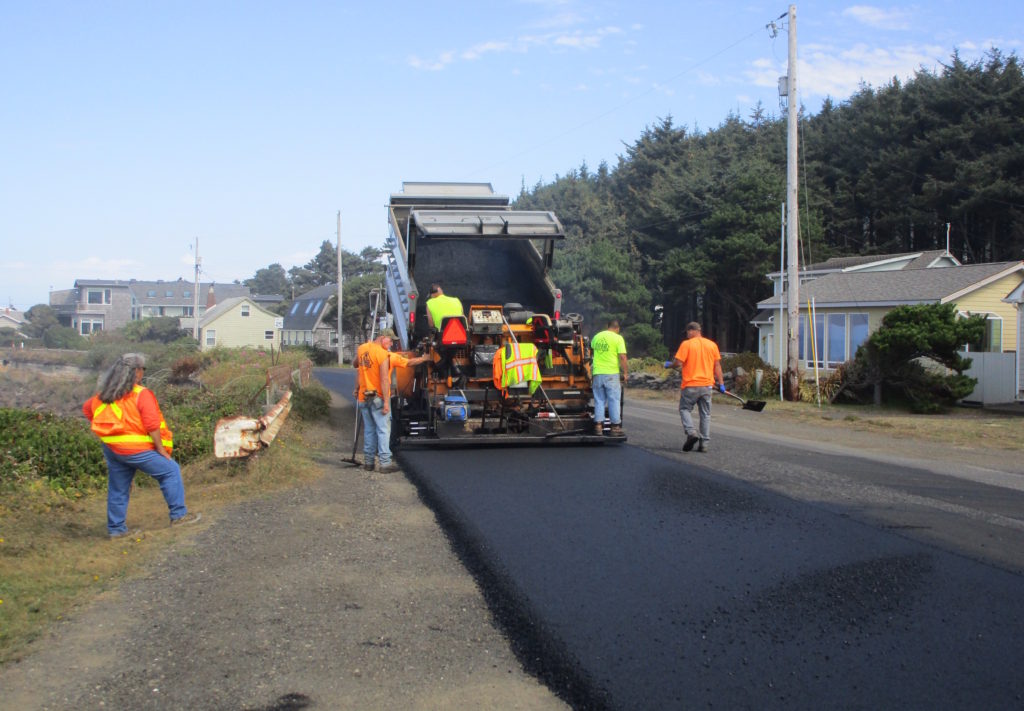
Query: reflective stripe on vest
{"points": [[111, 430], [520, 366]]}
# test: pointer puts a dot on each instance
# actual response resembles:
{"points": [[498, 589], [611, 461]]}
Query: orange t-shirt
{"points": [[370, 356], [698, 356]]}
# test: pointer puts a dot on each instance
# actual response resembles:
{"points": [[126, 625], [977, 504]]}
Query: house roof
{"points": [[903, 260], [905, 286], [223, 307], [11, 317], [79, 283], [307, 310]]}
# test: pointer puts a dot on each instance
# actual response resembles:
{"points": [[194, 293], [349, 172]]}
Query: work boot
{"points": [[186, 519], [389, 468], [599, 428], [616, 431], [703, 446], [368, 466], [690, 441]]}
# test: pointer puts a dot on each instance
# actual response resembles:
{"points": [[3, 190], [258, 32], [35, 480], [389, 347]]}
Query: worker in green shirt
{"points": [[439, 306], [610, 369]]}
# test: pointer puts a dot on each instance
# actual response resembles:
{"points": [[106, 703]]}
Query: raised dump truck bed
{"points": [[495, 260]]}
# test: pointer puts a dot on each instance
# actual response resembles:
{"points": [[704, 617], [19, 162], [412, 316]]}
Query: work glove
{"points": [[668, 364], [721, 388]]}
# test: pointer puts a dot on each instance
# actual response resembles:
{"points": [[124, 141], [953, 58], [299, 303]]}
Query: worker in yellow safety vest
{"points": [[439, 306], [516, 363], [127, 418]]}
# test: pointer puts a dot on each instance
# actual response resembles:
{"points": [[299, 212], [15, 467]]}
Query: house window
{"points": [[87, 327], [992, 340], [295, 307], [211, 337], [993, 334], [245, 310], [858, 332], [268, 335], [187, 294], [169, 294], [186, 311], [836, 340], [151, 293], [309, 307], [94, 297]]}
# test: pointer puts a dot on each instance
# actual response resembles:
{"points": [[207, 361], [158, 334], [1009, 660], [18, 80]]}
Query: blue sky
{"points": [[128, 129]]}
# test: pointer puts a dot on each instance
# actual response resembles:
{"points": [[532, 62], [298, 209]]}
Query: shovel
{"points": [[755, 405], [355, 440]]}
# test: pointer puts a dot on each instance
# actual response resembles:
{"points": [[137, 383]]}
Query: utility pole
{"points": [[792, 220], [195, 298], [341, 340]]}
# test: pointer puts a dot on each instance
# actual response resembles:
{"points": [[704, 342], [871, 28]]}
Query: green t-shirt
{"points": [[607, 346], [441, 306]]}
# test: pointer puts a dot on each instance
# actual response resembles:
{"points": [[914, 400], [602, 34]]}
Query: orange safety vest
{"points": [[516, 363], [119, 424]]}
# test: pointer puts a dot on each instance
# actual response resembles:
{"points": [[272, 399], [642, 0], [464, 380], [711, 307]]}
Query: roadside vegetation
{"points": [[54, 550]]}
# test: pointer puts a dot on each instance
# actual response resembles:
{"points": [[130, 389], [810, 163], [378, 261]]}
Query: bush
{"points": [[61, 450], [312, 402]]}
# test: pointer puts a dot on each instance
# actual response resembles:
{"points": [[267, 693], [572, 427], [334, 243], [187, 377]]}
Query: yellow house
{"points": [[239, 322], [840, 308]]}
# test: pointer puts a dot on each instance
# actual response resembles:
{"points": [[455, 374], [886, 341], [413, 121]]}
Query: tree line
{"points": [[688, 223]]}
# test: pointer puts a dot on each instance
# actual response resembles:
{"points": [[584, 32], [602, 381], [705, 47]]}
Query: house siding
{"points": [[236, 331], [989, 300]]}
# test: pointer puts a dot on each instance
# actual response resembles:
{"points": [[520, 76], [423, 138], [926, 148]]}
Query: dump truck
{"points": [[496, 261]]}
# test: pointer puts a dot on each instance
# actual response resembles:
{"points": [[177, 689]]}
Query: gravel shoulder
{"points": [[340, 594]]}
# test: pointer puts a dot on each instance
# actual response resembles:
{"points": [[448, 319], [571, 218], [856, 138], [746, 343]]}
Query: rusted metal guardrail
{"points": [[236, 437]]}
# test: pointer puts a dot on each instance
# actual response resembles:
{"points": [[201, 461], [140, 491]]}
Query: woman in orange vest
{"points": [[127, 419]]}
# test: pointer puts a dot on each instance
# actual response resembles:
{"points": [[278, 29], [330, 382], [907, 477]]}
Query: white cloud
{"points": [[878, 18], [707, 79], [825, 70], [477, 51], [579, 39], [435, 65]]}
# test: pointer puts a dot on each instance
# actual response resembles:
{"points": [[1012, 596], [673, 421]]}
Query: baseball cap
{"points": [[387, 333]]}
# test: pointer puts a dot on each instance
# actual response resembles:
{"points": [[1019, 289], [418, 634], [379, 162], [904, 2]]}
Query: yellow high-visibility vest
{"points": [[519, 364]]}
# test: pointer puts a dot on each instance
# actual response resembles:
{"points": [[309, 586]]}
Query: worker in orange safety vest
{"points": [[127, 418]]}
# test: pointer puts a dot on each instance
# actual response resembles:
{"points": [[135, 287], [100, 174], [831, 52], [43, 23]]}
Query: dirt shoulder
{"points": [[338, 594]]}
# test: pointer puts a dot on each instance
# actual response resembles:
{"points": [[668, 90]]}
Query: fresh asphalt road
{"points": [[639, 578]]}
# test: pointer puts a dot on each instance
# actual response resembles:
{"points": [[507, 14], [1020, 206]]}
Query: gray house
{"points": [[303, 322], [107, 304]]}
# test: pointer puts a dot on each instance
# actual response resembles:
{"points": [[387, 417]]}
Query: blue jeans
{"points": [[701, 397], [376, 433], [120, 473], [608, 390]]}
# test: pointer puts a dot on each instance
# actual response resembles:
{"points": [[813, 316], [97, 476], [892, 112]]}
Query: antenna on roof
{"points": [[947, 238]]}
